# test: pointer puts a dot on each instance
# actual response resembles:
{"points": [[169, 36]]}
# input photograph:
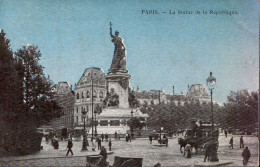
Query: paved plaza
{"points": [[151, 154]]}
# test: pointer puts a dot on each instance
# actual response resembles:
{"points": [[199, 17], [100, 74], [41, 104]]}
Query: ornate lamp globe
{"points": [[83, 113], [211, 81]]}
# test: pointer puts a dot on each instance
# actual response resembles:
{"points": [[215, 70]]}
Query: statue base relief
{"points": [[120, 83]]}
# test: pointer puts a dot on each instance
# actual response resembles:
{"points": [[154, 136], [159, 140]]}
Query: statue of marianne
{"points": [[119, 58]]}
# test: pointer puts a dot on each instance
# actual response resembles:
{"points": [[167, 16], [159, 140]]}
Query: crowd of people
{"points": [[99, 141]]}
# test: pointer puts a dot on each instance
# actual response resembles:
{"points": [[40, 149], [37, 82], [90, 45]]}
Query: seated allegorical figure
{"points": [[112, 99]]}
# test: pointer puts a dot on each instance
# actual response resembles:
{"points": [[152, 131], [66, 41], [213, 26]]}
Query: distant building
{"points": [[195, 92], [64, 96], [151, 97], [198, 92], [83, 94]]}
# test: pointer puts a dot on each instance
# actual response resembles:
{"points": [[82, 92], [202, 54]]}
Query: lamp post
{"points": [[161, 129], [95, 112], [132, 127], [84, 144], [211, 82]]}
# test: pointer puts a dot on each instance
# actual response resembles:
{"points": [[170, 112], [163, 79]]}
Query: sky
{"points": [[163, 50]]}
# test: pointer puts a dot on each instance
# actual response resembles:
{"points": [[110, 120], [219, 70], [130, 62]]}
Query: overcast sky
{"points": [[162, 49]]}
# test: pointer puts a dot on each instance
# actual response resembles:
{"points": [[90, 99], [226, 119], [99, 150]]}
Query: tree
{"points": [[10, 89], [135, 123], [37, 95], [241, 110]]}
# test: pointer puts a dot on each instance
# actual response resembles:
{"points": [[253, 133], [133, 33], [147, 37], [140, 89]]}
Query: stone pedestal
{"points": [[120, 82]]}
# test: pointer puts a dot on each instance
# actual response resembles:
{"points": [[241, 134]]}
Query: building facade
{"points": [[92, 82], [64, 96]]}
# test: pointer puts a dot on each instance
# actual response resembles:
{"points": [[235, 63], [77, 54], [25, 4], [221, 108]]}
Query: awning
{"points": [[79, 128]]}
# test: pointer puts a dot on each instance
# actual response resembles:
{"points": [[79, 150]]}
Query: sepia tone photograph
{"points": [[129, 83]]}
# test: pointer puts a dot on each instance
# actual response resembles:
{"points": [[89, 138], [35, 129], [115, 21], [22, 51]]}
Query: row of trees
{"points": [[240, 112], [25, 98]]}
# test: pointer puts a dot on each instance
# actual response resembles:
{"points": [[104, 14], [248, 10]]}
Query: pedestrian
{"points": [[207, 149], [93, 144], [231, 143], [103, 161], [126, 137], [225, 133], [166, 140], [99, 143], [106, 137], [246, 155], [69, 146], [115, 135], [241, 142], [102, 137], [187, 151], [129, 137], [110, 144], [151, 139]]}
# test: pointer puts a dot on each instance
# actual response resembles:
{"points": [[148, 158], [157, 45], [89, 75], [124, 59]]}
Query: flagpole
{"points": [[92, 101]]}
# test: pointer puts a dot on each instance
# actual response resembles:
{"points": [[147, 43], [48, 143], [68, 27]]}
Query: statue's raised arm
{"points": [[111, 30]]}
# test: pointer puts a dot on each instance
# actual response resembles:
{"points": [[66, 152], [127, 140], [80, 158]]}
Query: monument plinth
{"points": [[120, 83]]}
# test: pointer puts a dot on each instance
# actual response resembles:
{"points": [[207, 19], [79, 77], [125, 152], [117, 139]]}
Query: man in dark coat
{"points": [[106, 137], [246, 155], [110, 144], [99, 143], [241, 142], [151, 139], [102, 137], [231, 143], [69, 146], [103, 152], [207, 151]]}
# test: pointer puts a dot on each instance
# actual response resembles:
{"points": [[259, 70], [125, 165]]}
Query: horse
{"points": [[182, 143]]}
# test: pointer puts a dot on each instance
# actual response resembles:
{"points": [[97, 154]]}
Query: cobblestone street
{"points": [[151, 154]]}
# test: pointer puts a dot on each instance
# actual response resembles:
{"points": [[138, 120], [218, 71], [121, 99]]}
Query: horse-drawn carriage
{"points": [[198, 135]]}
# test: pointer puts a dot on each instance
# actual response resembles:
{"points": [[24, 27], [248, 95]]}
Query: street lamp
{"points": [[161, 129], [211, 82], [132, 128], [95, 112], [84, 144]]}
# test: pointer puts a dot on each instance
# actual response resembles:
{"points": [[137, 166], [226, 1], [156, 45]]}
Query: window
{"points": [[77, 110], [82, 95], [77, 95], [114, 122], [101, 94], [87, 94], [87, 108], [82, 119], [104, 123], [77, 119], [94, 94]]}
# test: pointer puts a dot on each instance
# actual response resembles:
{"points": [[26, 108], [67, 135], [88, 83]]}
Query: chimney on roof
{"points": [[172, 90]]}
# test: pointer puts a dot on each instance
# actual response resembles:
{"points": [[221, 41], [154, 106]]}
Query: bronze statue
{"points": [[112, 99], [119, 58]]}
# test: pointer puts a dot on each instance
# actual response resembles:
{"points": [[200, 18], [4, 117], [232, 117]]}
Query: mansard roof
{"points": [[62, 87], [97, 74], [198, 90]]}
